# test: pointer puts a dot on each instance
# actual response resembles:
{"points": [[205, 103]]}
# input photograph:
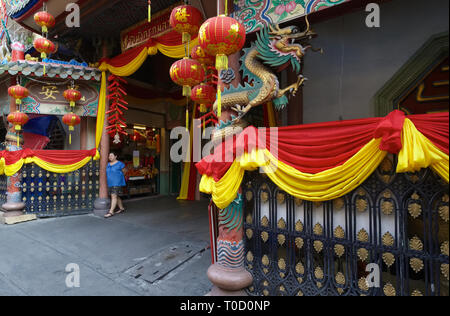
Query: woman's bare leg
{"points": [[113, 203], [120, 203]]}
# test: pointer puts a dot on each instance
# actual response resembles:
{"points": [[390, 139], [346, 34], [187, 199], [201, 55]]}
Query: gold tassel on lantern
{"points": [[219, 102], [221, 62], [186, 91], [202, 108], [187, 118], [186, 37], [71, 129], [18, 129]]}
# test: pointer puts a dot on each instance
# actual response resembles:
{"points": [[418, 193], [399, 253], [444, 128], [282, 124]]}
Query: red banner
{"points": [[142, 32]]}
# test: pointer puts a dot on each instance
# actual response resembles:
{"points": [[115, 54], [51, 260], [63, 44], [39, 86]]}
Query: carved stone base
{"points": [[11, 218], [229, 282], [101, 207]]}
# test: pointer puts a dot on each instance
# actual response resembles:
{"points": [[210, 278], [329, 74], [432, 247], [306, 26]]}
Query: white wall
{"points": [[358, 60]]}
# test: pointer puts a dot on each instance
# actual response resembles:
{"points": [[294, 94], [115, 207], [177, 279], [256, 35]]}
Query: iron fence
{"points": [[399, 222], [49, 194]]}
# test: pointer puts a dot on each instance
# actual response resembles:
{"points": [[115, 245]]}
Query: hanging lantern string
{"points": [[149, 11], [226, 7]]}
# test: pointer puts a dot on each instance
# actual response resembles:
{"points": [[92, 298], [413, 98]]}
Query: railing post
{"points": [[228, 274]]}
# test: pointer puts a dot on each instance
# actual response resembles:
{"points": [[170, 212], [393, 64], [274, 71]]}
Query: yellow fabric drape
{"points": [[323, 186], [10, 170], [419, 152], [101, 112], [184, 190]]}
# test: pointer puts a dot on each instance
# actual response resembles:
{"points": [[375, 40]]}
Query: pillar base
{"points": [[229, 281], [101, 207], [11, 218]]}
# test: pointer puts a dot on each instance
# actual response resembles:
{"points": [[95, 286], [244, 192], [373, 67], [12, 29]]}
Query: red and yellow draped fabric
{"points": [[57, 161], [324, 161]]}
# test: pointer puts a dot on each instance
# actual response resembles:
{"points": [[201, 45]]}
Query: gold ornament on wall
{"points": [[361, 205], [249, 195], [363, 254], [444, 270], [415, 196], [265, 222], [416, 244], [363, 236], [264, 197], [299, 226], [416, 264], [388, 240], [416, 293], [250, 256], [249, 219], [415, 210], [281, 198], [339, 250], [389, 290], [318, 246], [363, 284], [444, 248], [281, 223], [386, 165], [281, 239], [265, 260], [298, 202], [387, 194], [340, 278], [318, 229], [387, 208], [299, 268], [299, 293], [265, 236], [388, 259], [249, 233], [338, 204], [339, 232], [443, 212], [318, 273], [299, 242], [282, 264], [317, 204]]}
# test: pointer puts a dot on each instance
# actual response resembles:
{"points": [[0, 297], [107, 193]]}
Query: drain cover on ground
{"points": [[160, 264]]}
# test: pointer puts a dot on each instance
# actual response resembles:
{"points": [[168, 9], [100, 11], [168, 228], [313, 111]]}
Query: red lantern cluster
{"points": [[45, 20], [18, 92], [73, 96], [205, 95], [117, 107], [187, 73], [18, 119], [186, 19]]}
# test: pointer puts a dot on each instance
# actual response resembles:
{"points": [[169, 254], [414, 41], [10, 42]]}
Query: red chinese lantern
{"points": [[45, 20], [205, 95], [18, 92], [186, 19], [199, 54], [187, 73], [44, 46], [72, 96], [71, 120], [221, 36], [18, 119]]}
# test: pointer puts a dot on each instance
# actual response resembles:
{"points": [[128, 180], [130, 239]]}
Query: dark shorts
{"points": [[115, 190]]}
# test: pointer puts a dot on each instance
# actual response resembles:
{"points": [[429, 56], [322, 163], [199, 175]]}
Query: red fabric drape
{"points": [[59, 157], [318, 147]]}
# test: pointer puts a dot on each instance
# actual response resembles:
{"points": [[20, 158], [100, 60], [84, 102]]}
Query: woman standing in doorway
{"points": [[116, 181]]}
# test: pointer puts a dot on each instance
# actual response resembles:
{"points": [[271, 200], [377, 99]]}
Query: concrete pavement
{"points": [[152, 232]]}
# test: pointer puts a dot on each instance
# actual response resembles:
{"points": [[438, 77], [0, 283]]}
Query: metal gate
{"points": [[49, 194], [394, 224]]}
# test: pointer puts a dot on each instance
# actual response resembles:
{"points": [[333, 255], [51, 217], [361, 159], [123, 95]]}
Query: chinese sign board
{"points": [[430, 93], [47, 98], [142, 32], [255, 14]]}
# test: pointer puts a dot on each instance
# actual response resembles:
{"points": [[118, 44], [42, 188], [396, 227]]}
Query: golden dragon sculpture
{"points": [[274, 47]]}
